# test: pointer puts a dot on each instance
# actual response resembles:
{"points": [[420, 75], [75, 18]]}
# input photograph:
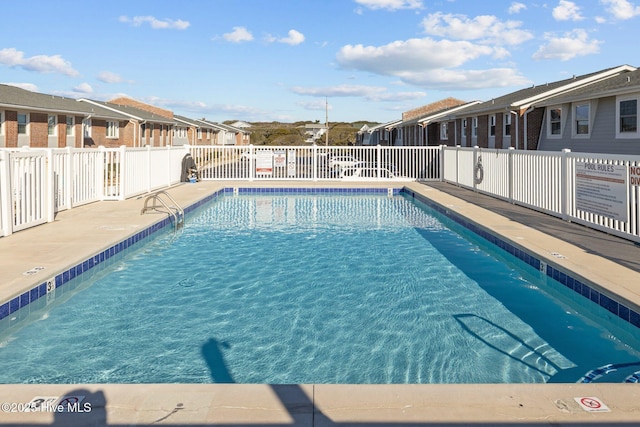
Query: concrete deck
{"points": [[75, 235]]}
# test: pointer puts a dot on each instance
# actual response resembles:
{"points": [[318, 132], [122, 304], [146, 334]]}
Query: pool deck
{"points": [[610, 263]]}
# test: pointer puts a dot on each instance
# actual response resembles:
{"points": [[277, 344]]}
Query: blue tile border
{"points": [[607, 302], [24, 299]]}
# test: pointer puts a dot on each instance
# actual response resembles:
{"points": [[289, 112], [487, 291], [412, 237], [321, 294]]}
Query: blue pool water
{"points": [[314, 289]]}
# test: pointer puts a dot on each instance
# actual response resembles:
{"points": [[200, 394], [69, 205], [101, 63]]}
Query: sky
{"points": [[299, 60]]}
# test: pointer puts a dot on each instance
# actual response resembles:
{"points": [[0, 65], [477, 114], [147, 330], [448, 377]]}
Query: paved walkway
{"points": [[616, 249], [87, 230]]}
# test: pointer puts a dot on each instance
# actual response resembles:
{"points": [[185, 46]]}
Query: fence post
{"points": [[252, 162], [121, 168], [564, 183], [69, 185], [49, 199], [6, 224], [102, 167], [378, 160], [314, 162], [441, 162], [148, 160], [511, 173], [476, 150]]}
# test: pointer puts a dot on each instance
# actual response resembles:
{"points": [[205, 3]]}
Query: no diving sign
{"points": [[592, 404]]}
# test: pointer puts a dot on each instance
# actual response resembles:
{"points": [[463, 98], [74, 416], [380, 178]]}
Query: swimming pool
{"points": [[281, 288]]}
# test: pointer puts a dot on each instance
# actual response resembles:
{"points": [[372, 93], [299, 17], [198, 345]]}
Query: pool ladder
{"points": [[160, 205]]}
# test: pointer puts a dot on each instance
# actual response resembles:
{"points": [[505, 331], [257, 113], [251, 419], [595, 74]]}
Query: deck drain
{"points": [[33, 271]]}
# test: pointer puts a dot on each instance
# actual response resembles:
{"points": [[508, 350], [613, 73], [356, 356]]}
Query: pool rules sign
{"points": [[602, 189]]}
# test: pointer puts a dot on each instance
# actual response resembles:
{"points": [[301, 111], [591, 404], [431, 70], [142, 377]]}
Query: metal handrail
{"points": [[174, 210]]}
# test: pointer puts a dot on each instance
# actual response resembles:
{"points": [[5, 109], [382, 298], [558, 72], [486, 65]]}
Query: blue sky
{"points": [[279, 60]]}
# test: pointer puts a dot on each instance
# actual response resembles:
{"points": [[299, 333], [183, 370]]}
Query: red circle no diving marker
{"points": [[590, 403]]}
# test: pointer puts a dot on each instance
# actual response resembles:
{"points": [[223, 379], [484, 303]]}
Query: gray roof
{"points": [[621, 84], [21, 99], [130, 112], [224, 127], [524, 97]]}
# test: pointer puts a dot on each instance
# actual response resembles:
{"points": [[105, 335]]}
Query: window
{"points": [[464, 128], [627, 112], [86, 124], [492, 125], [22, 124], [51, 125], [444, 131], [70, 126], [507, 125], [555, 122], [199, 133], [475, 127], [112, 129], [581, 119]]}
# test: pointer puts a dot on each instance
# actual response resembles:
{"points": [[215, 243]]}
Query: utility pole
{"points": [[326, 121]]}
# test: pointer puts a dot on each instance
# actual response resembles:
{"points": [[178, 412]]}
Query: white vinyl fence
{"points": [[605, 197], [35, 184], [599, 191], [314, 163]]}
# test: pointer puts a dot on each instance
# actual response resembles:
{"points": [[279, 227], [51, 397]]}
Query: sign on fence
{"points": [[602, 189], [264, 162]]}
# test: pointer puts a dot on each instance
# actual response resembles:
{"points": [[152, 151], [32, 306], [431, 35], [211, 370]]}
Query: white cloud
{"points": [[410, 55], [483, 28], [449, 79], [568, 46], [26, 86], [429, 63], [109, 77], [391, 4], [621, 9], [567, 11], [516, 8], [294, 38], [83, 88], [156, 24], [238, 35], [371, 93], [39, 63]]}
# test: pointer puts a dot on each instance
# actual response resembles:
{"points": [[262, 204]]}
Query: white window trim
{"points": [[87, 125], [574, 123], [627, 135], [115, 125], [507, 122], [52, 131], [199, 133], [492, 124], [444, 131], [474, 126], [26, 125], [71, 126], [548, 121], [464, 128]]}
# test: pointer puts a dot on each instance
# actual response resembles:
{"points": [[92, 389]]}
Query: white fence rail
{"points": [[37, 183], [546, 181], [314, 163]]}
